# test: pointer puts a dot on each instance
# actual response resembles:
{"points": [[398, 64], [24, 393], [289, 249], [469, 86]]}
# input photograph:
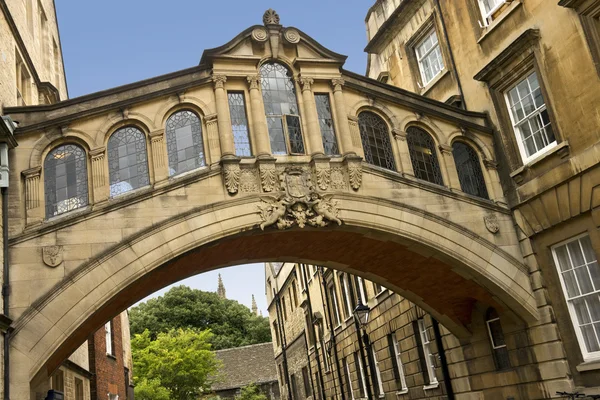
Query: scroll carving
{"points": [[268, 177], [354, 165], [231, 176]]}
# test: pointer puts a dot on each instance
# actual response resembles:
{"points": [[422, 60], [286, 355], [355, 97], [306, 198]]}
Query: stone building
{"points": [[32, 73], [533, 67], [246, 365]]}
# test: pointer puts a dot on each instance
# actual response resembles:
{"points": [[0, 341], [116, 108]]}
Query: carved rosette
{"points": [[268, 176], [291, 35], [52, 255], [260, 34], [354, 165], [231, 176], [491, 223], [299, 204]]}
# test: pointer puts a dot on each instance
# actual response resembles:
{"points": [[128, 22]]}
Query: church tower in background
{"points": [[221, 288]]}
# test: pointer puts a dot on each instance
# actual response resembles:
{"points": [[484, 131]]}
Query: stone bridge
{"points": [[266, 151]]}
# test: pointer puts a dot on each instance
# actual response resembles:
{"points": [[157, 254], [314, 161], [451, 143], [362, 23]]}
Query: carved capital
{"points": [[32, 172], [399, 134], [157, 134], [306, 83], [97, 154], [253, 81], [352, 119], [337, 84], [490, 164], [32, 187], [445, 149], [219, 81], [212, 118]]}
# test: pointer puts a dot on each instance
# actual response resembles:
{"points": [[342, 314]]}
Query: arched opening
{"points": [[185, 147], [375, 138], [469, 171], [423, 155], [127, 161]]}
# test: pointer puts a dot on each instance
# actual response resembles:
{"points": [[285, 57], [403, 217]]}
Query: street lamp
{"points": [[361, 314]]}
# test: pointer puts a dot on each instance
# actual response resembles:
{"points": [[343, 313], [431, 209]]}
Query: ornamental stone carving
{"points": [[491, 223], [260, 34], [219, 81], [299, 204], [354, 165], [253, 81], [52, 255], [323, 174], [270, 17], [337, 83], [306, 83], [231, 176], [268, 176], [291, 35]]}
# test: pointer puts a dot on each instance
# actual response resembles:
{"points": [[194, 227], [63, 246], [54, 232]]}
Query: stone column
{"points": [[99, 185], [33, 203], [405, 165], [160, 160], [260, 132], [315, 140], [493, 182], [224, 121], [347, 145], [451, 175], [354, 136]]}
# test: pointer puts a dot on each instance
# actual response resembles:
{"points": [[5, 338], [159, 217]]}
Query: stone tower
{"points": [[254, 306], [221, 288]]}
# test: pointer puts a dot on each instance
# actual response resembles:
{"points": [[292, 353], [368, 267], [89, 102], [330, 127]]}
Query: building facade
{"points": [[541, 88]]}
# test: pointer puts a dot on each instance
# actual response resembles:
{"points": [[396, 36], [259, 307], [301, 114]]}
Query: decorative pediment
{"points": [[272, 40]]}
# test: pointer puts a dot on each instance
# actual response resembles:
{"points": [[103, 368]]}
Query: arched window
{"points": [[127, 161], [65, 180], [469, 170], [494, 328], [423, 155], [376, 140], [281, 109], [185, 148]]}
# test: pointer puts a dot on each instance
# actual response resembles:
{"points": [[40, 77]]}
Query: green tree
{"points": [[151, 389], [231, 323], [251, 392], [180, 361]]}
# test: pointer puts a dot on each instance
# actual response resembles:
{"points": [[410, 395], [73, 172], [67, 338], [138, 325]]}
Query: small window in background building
{"points": [[397, 366], [490, 9], [109, 338], [78, 389], [58, 381], [429, 57], [306, 382], [425, 355], [494, 328], [360, 372]]}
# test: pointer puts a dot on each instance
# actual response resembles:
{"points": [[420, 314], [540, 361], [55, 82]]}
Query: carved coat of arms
{"points": [[491, 223], [52, 255], [299, 203]]}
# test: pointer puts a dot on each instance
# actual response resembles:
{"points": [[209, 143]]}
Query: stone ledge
{"points": [[588, 366]]}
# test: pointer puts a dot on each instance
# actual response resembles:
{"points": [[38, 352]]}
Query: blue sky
{"points": [[111, 43]]}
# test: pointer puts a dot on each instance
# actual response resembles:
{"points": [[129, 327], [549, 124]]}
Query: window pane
{"points": [[376, 140], [326, 124], [239, 124], [423, 155], [65, 180], [185, 146], [429, 57], [127, 161], [469, 170]]}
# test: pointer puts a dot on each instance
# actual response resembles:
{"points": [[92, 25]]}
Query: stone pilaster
{"points": [[493, 182], [159, 156], [224, 121], [354, 142], [346, 142], [405, 164], [451, 175], [212, 133], [315, 140], [260, 132], [33, 190], [99, 185]]}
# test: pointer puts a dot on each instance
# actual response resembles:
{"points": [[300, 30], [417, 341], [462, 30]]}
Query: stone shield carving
{"points": [[491, 223], [52, 255], [299, 204]]}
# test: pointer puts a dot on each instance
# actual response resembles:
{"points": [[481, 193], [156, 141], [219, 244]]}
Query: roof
{"points": [[245, 365]]}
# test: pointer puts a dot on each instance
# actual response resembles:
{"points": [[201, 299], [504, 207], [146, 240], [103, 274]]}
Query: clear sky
{"points": [[110, 43]]}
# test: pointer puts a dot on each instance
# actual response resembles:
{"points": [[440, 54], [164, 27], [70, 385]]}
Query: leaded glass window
{"points": [[239, 124], [185, 147], [494, 328], [423, 155], [281, 109], [127, 161], [469, 170], [326, 124], [376, 140], [65, 180]]}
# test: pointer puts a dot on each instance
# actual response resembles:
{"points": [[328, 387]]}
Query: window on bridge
{"points": [[185, 147], [423, 155], [376, 140], [65, 180], [127, 161], [469, 170], [326, 123], [281, 109]]}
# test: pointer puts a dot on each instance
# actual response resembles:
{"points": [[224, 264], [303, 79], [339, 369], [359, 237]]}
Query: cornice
{"points": [[389, 24]]}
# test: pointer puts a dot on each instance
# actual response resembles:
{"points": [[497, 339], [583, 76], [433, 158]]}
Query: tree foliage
{"points": [[251, 392], [231, 323], [179, 361]]}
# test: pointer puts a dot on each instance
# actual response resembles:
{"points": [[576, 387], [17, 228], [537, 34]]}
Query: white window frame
{"points": [[361, 372], [108, 338], [487, 15], [333, 293], [433, 382], [492, 341], [534, 114], [421, 57], [349, 377], [587, 356], [113, 396], [362, 290], [397, 354], [346, 291], [377, 373]]}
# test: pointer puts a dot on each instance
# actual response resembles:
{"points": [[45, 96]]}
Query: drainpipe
{"points": [[451, 54], [333, 341], [443, 360]]}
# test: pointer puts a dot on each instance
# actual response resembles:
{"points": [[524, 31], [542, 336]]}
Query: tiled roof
{"points": [[242, 366]]}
